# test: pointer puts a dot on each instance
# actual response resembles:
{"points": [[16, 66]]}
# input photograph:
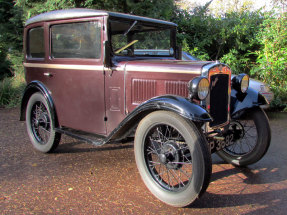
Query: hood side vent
{"points": [[142, 90], [176, 88]]}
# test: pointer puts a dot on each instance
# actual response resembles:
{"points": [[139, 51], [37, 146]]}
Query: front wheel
{"points": [[172, 157], [252, 141], [40, 124]]}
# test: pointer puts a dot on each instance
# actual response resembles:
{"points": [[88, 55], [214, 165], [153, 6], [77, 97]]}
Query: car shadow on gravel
{"points": [[251, 175], [269, 199], [260, 186]]}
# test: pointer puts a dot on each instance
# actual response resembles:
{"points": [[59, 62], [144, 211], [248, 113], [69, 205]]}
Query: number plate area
{"points": [[217, 143]]}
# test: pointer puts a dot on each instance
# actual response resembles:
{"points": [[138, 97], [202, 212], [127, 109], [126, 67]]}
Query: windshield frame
{"points": [[172, 29]]}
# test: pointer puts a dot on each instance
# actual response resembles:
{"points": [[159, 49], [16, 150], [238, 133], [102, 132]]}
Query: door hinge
{"points": [[105, 118]]}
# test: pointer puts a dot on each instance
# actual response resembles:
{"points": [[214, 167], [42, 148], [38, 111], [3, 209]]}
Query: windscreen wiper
{"points": [[133, 25]]}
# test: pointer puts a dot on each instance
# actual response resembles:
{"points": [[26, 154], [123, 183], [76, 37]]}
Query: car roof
{"points": [[84, 12]]}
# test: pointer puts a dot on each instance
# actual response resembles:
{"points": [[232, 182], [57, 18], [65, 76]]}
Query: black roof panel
{"points": [[84, 12]]}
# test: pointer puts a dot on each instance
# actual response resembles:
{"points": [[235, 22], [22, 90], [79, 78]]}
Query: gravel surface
{"points": [[82, 179]]}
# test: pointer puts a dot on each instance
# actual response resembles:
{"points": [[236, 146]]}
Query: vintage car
{"points": [[86, 79]]}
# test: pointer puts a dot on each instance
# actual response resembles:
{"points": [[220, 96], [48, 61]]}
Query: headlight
{"points": [[241, 82], [198, 88]]}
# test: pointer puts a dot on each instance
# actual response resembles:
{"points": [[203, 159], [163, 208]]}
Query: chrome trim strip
{"points": [[161, 69], [101, 68], [64, 66]]}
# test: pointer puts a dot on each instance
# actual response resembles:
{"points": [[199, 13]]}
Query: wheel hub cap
{"points": [[43, 121], [237, 129], [170, 155], [162, 158]]}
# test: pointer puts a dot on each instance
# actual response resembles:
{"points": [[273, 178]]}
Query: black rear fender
{"points": [[242, 102], [31, 88]]}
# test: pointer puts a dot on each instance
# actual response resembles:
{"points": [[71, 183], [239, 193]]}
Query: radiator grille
{"points": [[219, 99]]}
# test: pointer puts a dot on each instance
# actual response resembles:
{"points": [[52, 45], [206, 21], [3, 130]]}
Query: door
{"points": [[75, 74]]}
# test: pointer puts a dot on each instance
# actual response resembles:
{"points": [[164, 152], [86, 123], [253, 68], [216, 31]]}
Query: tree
{"points": [[238, 33], [229, 38], [10, 33], [162, 9], [221, 7], [196, 30]]}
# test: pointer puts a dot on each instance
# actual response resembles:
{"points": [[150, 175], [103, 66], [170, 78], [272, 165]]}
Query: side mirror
{"points": [[107, 55], [178, 53]]}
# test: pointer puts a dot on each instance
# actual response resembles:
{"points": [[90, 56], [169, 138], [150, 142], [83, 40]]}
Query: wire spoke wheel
{"points": [[40, 124], [252, 139], [172, 157]]}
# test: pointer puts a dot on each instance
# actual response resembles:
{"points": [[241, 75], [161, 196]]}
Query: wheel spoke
{"points": [[189, 161], [161, 172], [160, 135], [178, 178], [44, 129], [155, 148], [180, 163], [169, 181], [185, 173], [151, 151], [154, 163]]}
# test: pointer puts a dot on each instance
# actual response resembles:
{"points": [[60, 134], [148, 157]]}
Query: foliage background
{"points": [[249, 41]]}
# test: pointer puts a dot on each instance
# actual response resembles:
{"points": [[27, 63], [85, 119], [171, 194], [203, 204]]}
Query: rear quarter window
{"points": [[36, 46], [76, 40]]}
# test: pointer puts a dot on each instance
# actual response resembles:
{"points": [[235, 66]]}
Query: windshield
{"points": [[132, 38]]}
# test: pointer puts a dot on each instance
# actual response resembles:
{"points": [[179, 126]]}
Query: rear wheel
{"points": [[172, 157], [253, 137], [40, 124]]}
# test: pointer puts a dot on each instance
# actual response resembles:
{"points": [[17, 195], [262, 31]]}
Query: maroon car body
{"points": [[85, 78]]}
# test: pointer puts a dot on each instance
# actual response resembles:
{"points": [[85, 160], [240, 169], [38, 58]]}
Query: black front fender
{"points": [[240, 102], [176, 104]]}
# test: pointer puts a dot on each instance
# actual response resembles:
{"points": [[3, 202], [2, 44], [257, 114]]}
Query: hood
{"points": [[168, 66]]}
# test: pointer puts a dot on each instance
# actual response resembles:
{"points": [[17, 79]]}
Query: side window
{"points": [[36, 47], [76, 40]]}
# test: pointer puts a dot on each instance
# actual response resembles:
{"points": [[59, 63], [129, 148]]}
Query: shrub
{"points": [[272, 56], [11, 88]]}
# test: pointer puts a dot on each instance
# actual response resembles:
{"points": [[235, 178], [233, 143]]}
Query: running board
{"points": [[93, 139]]}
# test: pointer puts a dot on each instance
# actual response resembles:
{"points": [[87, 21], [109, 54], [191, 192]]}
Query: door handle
{"points": [[48, 74]]}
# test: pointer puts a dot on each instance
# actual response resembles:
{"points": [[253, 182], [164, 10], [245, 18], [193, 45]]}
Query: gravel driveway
{"points": [[82, 179]]}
